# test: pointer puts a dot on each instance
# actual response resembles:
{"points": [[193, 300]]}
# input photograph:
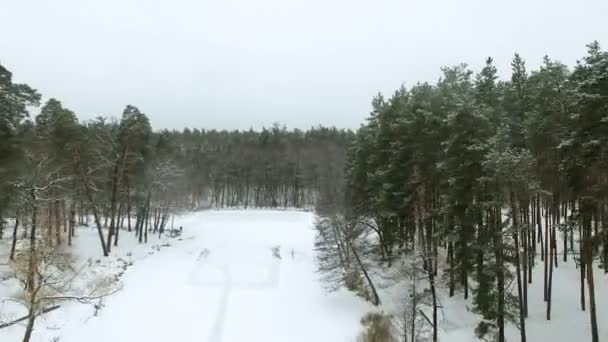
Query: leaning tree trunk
{"points": [[97, 222], [14, 244], [89, 196], [376, 298]]}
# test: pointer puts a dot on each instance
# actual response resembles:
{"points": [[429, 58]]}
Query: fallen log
{"points": [[42, 312]]}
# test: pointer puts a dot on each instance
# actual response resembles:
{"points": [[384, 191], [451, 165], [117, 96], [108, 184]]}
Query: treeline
{"points": [[268, 168], [56, 172], [487, 174]]}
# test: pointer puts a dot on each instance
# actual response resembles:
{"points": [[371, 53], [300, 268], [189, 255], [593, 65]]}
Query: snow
{"points": [[234, 276], [249, 275]]}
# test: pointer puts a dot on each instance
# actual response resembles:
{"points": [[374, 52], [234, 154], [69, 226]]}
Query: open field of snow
{"points": [[234, 276]]}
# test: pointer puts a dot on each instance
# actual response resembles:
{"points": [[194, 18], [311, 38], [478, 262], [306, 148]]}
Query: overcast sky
{"points": [[237, 64]]}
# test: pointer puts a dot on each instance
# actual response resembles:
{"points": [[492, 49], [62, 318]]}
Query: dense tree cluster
{"points": [[269, 168], [487, 173]]}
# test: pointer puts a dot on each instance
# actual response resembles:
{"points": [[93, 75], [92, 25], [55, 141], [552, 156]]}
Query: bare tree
{"points": [[410, 324], [341, 246], [49, 278]]}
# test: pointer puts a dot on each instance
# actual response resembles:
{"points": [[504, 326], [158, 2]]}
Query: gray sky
{"points": [[248, 63]]}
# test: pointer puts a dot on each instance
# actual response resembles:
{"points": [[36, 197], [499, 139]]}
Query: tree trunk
{"points": [[97, 222], [113, 199], [89, 196], [58, 221], [547, 258], [140, 223], [81, 211], [522, 308], [500, 280], [550, 280], [119, 215], [565, 236], [64, 216], [72, 224], [582, 264], [49, 231], [451, 257], [116, 233], [147, 217], [556, 221], [526, 243], [128, 194], [605, 236], [539, 227], [588, 250], [533, 226], [531, 248], [414, 305], [32, 255], [428, 252], [376, 298], [29, 328], [14, 244], [434, 298]]}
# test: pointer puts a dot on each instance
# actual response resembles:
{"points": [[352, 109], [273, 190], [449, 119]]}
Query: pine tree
{"points": [[14, 100]]}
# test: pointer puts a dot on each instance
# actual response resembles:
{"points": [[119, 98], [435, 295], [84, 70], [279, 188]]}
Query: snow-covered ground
{"points": [[249, 275], [234, 276]]}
